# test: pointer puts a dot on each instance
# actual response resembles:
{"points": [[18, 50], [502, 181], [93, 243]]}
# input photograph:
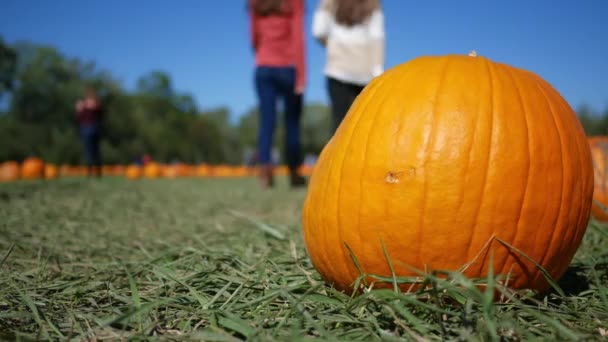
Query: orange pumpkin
{"points": [[51, 171], [241, 171], [599, 154], [9, 171], [32, 168], [106, 170], [203, 170], [281, 170], [222, 171], [118, 170], [133, 172], [152, 170], [305, 170], [446, 163]]}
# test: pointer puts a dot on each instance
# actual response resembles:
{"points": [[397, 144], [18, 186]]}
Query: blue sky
{"points": [[204, 44]]}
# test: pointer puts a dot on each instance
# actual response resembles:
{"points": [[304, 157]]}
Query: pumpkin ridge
{"points": [[361, 113], [577, 235], [548, 109], [347, 257], [469, 149], [395, 146], [427, 153], [522, 205], [568, 233], [310, 238], [558, 230], [323, 256], [364, 169], [556, 222], [582, 150], [492, 103]]}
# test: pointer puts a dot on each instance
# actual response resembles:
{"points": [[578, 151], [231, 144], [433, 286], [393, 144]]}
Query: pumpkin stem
{"points": [[473, 53]]}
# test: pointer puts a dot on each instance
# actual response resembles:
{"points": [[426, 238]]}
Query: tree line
{"points": [[39, 86]]}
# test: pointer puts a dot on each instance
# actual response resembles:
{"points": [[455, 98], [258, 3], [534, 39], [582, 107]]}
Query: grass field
{"points": [[218, 260]]}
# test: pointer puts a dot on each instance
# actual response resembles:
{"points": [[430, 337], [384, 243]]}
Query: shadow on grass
{"points": [[577, 279]]}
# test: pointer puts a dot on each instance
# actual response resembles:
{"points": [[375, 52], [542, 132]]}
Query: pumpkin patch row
{"points": [[35, 168]]}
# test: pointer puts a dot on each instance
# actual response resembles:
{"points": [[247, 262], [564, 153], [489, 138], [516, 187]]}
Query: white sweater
{"points": [[355, 54]]}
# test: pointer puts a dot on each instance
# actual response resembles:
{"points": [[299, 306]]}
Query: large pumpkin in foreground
{"points": [[450, 162], [599, 154]]}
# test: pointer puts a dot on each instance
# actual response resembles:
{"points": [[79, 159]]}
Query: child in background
{"points": [[277, 35], [89, 114], [353, 33]]}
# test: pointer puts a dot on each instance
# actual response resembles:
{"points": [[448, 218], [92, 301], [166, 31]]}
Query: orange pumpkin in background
{"points": [[169, 171], [599, 154], [106, 170], [203, 170], [64, 170], [51, 171], [241, 171], [133, 172], [444, 163], [9, 171], [32, 168], [177, 170], [252, 171], [281, 170], [152, 170], [222, 171], [305, 170], [118, 170]]}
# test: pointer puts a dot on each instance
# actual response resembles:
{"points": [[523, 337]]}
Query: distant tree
{"points": [[8, 68], [153, 119]]}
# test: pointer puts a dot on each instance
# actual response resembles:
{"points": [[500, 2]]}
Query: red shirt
{"points": [[278, 40], [89, 115]]}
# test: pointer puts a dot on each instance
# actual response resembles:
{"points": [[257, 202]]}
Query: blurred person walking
{"points": [[353, 33], [89, 113], [277, 36]]}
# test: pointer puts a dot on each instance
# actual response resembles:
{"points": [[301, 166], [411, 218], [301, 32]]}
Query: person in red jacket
{"points": [[277, 36], [89, 114]]}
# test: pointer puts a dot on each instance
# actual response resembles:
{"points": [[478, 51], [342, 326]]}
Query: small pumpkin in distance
{"points": [[32, 168], [118, 170], [152, 170], [51, 171], [599, 154], [9, 171], [203, 170], [133, 172], [446, 163]]}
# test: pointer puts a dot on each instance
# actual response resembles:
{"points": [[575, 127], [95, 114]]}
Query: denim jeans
{"points": [[342, 96], [90, 135], [272, 84]]}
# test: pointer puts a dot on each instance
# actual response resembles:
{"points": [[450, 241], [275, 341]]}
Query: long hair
{"points": [[269, 7], [353, 12]]}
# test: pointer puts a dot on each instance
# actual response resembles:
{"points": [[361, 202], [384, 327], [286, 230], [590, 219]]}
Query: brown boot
{"points": [[266, 176], [295, 179]]}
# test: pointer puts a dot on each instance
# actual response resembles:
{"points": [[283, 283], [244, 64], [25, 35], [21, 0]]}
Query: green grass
{"points": [[218, 260]]}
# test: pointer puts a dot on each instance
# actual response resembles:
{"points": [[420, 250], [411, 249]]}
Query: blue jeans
{"points": [[90, 135], [271, 84]]}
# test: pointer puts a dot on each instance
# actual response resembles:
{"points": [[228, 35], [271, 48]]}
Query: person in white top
{"points": [[353, 33]]}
